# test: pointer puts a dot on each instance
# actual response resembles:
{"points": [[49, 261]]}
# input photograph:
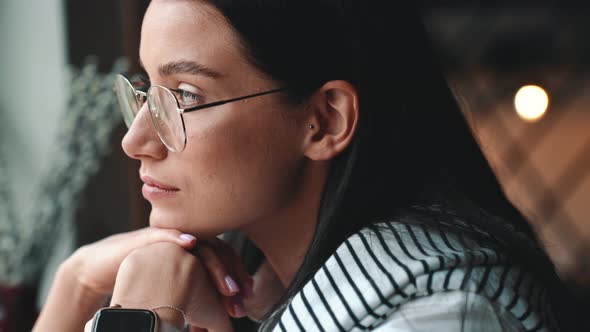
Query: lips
{"points": [[157, 184], [153, 190]]}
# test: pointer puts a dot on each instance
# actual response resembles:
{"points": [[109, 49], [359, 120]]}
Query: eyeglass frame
{"points": [[141, 97]]}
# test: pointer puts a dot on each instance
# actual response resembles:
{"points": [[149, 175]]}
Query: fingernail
{"points": [[231, 284], [239, 310], [188, 238]]}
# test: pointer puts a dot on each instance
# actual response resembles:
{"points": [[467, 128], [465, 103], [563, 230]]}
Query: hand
{"points": [[166, 274], [83, 282], [222, 263], [95, 265], [267, 291]]}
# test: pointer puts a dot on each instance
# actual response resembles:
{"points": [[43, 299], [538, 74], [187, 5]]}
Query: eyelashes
{"points": [[188, 99]]}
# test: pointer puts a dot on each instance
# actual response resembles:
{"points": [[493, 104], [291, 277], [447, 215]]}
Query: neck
{"points": [[285, 237]]}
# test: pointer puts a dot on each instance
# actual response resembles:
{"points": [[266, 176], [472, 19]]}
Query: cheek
{"points": [[240, 171]]}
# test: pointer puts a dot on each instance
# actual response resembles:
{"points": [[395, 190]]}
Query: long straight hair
{"points": [[413, 147]]}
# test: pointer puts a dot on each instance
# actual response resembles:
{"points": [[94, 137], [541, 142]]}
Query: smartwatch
{"points": [[116, 319]]}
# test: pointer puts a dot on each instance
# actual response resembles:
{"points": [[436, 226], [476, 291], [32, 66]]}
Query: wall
{"points": [[33, 93]]}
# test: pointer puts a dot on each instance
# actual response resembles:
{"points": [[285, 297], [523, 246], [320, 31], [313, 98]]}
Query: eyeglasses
{"points": [[164, 108]]}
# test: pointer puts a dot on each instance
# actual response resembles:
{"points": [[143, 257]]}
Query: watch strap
{"points": [[165, 326]]}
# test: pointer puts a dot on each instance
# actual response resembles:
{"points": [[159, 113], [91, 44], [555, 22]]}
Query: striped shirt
{"points": [[389, 269]]}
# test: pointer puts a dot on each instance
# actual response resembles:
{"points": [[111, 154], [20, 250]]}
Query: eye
{"points": [[188, 99]]}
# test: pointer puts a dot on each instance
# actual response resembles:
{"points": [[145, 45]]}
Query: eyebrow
{"points": [[185, 67]]}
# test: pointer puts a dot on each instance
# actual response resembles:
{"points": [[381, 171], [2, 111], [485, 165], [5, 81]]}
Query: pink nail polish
{"points": [[188, 238], [231, 284]]}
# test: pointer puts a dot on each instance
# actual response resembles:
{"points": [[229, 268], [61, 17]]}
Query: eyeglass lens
{"points": [[168, 122], [163, 109], [127, 99]]}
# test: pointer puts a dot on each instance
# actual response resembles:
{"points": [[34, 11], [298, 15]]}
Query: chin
{"points": [[183, 223]]}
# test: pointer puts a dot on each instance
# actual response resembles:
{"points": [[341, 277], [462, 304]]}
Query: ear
{"points": [[333, 118]]}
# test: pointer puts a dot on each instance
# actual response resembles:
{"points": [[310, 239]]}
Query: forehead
{"points": [[182, 30]]}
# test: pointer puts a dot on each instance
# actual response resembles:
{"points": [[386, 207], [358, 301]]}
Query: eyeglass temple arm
{"points": [[221, 102]]}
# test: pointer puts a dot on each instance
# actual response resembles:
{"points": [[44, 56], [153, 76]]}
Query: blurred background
{"points": [[519, 70]]}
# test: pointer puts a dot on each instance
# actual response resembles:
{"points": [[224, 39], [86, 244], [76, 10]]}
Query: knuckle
{"points": [[133, 261]]}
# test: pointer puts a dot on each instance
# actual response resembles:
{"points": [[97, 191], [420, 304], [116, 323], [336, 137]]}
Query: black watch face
{"points": [[125, 320]]}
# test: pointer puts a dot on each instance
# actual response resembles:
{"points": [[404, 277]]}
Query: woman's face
{"points": [[242, 160]]}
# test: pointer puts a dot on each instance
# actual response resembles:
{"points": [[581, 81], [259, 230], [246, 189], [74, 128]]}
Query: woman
{"points": [[338, 152]]}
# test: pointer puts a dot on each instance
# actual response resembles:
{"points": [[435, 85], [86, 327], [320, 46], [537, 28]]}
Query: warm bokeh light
{"points": [[531, 102]]}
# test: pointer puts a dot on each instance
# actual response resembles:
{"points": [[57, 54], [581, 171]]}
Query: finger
{"points": [[234, 264], [152, 235], [228, 305], [234, 306], [218, 271]]}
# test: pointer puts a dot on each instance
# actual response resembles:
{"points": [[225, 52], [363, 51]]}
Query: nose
{"points": [[141, 140]]}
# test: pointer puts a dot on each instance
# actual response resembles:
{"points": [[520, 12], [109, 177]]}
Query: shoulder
{"points": [[450, 311], [381, 268]]}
